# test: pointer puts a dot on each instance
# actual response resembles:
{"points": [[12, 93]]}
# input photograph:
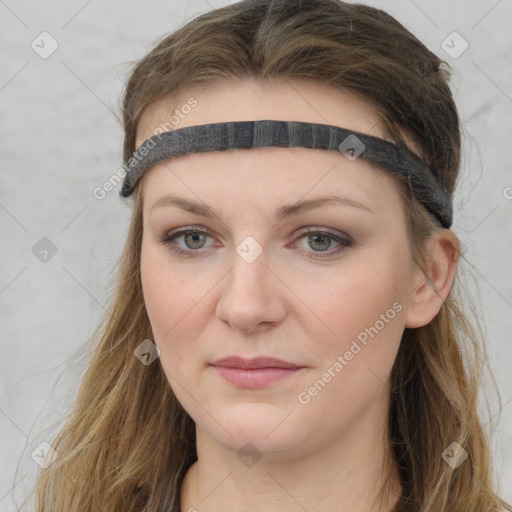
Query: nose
{"points": [[251, 299]]}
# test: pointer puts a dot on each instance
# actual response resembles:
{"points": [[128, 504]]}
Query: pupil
{"points": [[194, 236], [321, 237]]}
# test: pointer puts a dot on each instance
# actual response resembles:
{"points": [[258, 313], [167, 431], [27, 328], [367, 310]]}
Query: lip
{"points": [[256, 362], [254, 373]]}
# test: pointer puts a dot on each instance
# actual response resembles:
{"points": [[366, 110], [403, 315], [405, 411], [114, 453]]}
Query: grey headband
{"points": [[401, 162]]}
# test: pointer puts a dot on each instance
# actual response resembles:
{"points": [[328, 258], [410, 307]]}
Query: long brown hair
{"points": [[127, 439]]}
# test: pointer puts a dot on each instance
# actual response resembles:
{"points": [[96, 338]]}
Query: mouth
{"points": [[254, 373]]}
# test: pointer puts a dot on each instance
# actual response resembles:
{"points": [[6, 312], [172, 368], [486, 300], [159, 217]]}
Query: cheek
{"points": [[364, 313], [176, 301], [168, 296]]}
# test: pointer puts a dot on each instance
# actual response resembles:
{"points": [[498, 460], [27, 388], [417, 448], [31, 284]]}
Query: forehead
{"points": [[252, 99], [264, 177], [244, 186]]}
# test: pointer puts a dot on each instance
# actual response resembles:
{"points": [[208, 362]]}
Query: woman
{"points": [[285, 332]]}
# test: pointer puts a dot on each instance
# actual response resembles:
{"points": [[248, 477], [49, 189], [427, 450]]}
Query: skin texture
{"points": [[294, 302]]}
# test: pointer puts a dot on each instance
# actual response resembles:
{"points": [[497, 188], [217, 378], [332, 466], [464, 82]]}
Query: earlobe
{"points": [[431, 290]]}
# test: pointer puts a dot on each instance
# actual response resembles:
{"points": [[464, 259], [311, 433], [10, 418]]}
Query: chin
{"points": [[271, 429]]}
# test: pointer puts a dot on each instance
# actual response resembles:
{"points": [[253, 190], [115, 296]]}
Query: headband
{"points": [[399, 161]]}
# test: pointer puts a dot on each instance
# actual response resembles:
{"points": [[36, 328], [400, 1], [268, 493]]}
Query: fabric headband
{"points": [[400, 162]]}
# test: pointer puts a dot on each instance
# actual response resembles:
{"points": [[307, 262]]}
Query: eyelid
{"points": [[324, 230], [169, 236], [340, 237]]}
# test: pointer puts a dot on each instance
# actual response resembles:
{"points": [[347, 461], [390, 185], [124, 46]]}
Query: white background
{"points": [[61, 137]]}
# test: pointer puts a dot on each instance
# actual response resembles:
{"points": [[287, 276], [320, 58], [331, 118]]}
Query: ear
{"points": [[430, 292]]}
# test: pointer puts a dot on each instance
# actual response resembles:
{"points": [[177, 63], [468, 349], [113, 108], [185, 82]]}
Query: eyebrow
{"points": [[280, 214]]}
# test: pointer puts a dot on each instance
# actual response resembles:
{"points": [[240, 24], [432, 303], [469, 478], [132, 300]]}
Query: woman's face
{"points": [[332, 302]]}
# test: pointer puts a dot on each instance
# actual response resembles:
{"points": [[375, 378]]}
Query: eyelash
{"points": [[344, 240]]}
